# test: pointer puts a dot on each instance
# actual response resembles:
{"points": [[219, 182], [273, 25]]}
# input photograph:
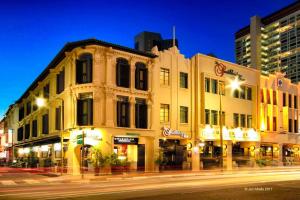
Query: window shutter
{"points": [[79, 112], [137, 78], [146, 79], [127, 120], [90, 112], [89, 70], [126, 75], [78, 71], [119, 107], [137, 115], [144, 115]]}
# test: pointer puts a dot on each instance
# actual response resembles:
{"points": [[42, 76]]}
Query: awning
{"points": [[39, 142]]}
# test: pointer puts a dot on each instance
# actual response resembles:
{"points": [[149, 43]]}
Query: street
{"points": [[255, 184]]}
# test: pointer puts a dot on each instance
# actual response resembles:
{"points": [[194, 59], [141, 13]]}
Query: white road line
{"points": [[8, 182]]}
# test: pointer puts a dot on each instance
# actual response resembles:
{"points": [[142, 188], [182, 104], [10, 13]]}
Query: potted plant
{"points": [[98, 160]]}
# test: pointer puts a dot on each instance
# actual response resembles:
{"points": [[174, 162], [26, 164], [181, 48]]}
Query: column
{"points": [[156, 152], [228, 155], [109, 69], [195, 157], [280, 161], [256, 153], [149, 114], [110, 107]]}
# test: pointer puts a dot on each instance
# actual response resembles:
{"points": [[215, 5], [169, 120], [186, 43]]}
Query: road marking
{"points": [[31, 181], [8, 182]]}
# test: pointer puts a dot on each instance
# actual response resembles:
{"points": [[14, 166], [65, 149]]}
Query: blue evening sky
{"points": [[33, 31]]}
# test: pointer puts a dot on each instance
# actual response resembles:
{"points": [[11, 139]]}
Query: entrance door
{"points": [[141, 157]]}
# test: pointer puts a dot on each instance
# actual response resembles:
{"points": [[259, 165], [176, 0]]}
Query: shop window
{"points": [[235, 120], [249, 93], [164, 113], [183, 114], [274, 124], [295, 102], [60, 82], [290, 100], [46, 91], [84, 69], [21, 113], [58, 118], [249, 121], [214, 117], [141, 76], [28, 108], [164, 76], [141, 112], [123, 112], [27, 131], [34, 130], [214, 86], [45, 124], [183, 80], [207, 116], [20, 134], [274, 98], [243, 120], [85, 109], [290, 125], [243, 92], [207, 85], [283, 99], [123, 73], [295, 126]]}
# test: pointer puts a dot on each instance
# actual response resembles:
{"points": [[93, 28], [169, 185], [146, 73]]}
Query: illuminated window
{"points": [[164, 113], [164, 76], [183, 114], [249, 121], [243, 92], [214, 86], [222, 87], [243, 120], [207, 85], [183, 80], [235, 120], [207, 116], [214, 117]]}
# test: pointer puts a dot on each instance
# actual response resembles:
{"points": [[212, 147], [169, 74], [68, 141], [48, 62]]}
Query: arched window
{"points": [[141, 76], [122, 73], [84, 69]]}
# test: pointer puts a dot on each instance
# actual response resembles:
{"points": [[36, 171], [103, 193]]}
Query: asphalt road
{"points": [[252, 185]]}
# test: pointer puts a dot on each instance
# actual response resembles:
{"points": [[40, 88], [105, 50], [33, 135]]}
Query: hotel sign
{"points": [[126, 140], [220, 70], [168, 132]]}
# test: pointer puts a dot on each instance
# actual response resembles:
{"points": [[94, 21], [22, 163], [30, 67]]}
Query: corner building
{"points": [[155, 110]]}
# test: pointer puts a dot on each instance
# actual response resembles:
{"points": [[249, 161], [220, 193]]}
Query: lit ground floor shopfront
{"points": [[124, 150]]}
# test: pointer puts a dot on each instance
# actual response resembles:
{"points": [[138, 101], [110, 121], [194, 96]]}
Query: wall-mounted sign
{"points": [[126, 140], [220, 70], [168, 131]]}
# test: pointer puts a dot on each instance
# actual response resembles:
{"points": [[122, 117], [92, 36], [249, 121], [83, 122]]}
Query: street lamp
{"points": [[41, 102], [233, 85]]}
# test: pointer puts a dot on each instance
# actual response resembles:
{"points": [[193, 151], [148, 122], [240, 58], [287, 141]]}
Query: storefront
{"points": [[290, 154], [129, 152]]}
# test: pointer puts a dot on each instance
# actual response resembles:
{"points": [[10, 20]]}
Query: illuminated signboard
{"points": [[126, 140], [168, 132]]}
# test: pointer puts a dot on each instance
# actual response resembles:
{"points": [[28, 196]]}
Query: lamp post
{"points": [[233, 85]]}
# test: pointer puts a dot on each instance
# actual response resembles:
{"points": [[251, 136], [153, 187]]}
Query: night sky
{"points": [[32, 32]]}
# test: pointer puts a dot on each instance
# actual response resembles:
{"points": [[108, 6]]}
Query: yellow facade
{"points": [[178, 102]]}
